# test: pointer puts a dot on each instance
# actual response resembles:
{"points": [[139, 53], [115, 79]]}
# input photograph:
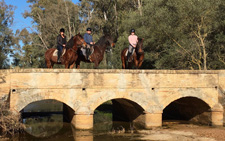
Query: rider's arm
{"points": [[59, 40], [91, 40], [66, 41]]}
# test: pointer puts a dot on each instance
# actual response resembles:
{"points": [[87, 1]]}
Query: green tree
{"points": [[48, 17], [7, 39], [177, 33]]}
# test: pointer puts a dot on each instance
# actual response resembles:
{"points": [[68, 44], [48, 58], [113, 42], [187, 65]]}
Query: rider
{"points": [[133, 40], [89, 40], [61, 43]]}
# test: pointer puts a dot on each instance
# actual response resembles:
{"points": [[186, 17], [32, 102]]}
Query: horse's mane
{"points": [[101, 41], [70, 43], [140, 43]]}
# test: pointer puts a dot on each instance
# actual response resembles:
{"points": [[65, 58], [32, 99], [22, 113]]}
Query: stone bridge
{"points": [[84, 90]]}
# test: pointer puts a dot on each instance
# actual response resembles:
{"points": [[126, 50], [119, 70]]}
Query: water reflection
{"points": [[43, 126], [53, 129], [45, 121], [82, 135]]}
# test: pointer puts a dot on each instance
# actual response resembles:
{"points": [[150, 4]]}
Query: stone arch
{"points": [[208, 100], [189, 109], [125, 110], [23, 102], [30, 102], [102, 100]]}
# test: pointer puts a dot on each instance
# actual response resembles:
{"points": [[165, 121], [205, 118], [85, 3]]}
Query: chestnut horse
{"points": [[70, 56], [137, 57], [99, 49]]}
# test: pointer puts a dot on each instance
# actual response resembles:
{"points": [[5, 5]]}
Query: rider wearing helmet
{"points": [[133, 40], [89, 40], [61, 43]]}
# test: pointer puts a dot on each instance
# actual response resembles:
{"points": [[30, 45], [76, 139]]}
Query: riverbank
{"points": [[177, 132], [174, 132]]}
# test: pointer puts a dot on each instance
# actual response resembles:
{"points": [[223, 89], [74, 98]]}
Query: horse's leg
{"points": [[123, 62], [136, 63], [66, 66], [52, 64], [78, 64], [140, 63], [129, 66], [48, 64], [66, 63], [72, 65], [96, 65]]}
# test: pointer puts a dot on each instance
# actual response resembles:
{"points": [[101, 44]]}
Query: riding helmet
{"points": [[88, 29], [62, 30], [132, 31]]}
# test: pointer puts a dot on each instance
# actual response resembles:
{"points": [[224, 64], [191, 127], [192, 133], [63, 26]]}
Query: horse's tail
{"points": [[48, 55]]}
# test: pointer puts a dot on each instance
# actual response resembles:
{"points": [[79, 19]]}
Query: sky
{"points": [[21, 6]]}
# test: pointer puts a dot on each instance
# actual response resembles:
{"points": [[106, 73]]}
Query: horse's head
{"points": [[140, 45], [109, 40], [79, 41]]}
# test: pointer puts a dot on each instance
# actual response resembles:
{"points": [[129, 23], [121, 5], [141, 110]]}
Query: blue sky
{"points": [[21, 6]]}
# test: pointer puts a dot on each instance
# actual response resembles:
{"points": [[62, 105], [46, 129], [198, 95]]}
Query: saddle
{"points": [[84, 53], [55, 53], [131, 54]]}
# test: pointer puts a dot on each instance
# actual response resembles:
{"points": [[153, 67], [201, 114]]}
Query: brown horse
{"points": [[70, 56], [137, 57], [99, 49]]}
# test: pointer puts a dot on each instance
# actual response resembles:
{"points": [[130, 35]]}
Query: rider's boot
{"points": [[129, 56], [88, 53]]}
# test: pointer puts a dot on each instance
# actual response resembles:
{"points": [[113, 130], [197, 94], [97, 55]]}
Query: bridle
{"points": [[82, 42]]}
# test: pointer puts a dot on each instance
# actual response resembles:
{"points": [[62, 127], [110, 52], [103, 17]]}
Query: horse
{"points": [[98, 54], [137, 57], [70, 56]]}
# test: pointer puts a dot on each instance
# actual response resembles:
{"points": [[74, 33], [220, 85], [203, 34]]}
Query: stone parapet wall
{"points": [[5, 84]]}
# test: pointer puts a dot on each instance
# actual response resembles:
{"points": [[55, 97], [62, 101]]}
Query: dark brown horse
{"points": [[137, 57], [70, 56], [99, 49]]}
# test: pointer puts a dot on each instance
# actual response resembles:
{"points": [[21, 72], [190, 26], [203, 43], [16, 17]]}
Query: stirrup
{"points": [[129, 59]]}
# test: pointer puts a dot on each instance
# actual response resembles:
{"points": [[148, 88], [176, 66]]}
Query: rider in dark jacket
{"points": [[61, 43], [89, 40]]}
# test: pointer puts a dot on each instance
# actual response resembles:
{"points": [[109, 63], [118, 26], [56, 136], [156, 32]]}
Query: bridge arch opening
{"points": [[117, 114], [188, 109], [47, 117]]}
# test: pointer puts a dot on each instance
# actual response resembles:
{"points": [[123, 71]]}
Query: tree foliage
{"points": [[186, 34], [7, 39]]}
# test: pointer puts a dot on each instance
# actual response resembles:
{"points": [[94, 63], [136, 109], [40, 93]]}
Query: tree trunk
{"points": [[204, 54], [68, 19], [116, 15], [105, 16], [140, 6]]}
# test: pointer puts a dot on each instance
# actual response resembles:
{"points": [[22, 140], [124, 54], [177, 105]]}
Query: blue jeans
{"points": [[60, 48]]}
